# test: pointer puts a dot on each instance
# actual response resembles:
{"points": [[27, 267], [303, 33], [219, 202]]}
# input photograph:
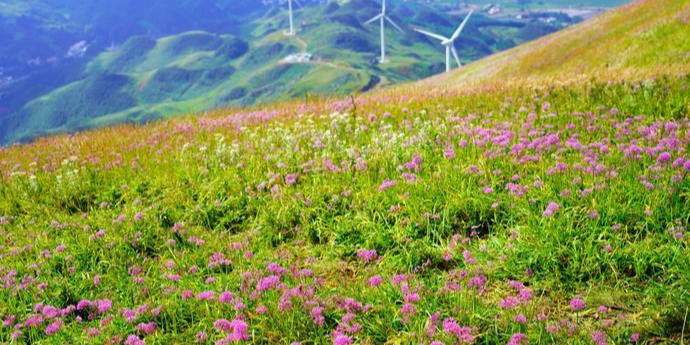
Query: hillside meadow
{"points": [[534, 208], [500, 215]]}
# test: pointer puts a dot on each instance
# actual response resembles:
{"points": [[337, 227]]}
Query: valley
{"points": [[55, 94]]}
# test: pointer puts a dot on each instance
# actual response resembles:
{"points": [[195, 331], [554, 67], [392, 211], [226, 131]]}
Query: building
{"points": [[298, 58]]}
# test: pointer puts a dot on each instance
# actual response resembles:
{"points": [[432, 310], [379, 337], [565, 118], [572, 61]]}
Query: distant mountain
{"points": [[46, 28], [163, 59]]}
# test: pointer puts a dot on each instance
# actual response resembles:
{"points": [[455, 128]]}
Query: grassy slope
{"points": [[645, 38], [475, 170], [209, 175]]}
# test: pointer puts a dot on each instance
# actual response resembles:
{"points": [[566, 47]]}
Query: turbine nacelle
{"points": [[448, 43]]}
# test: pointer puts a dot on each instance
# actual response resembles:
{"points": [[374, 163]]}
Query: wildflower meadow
{"points": [[493, 215]]}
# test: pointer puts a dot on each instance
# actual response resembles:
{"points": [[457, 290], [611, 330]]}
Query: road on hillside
{"points": [[304, 49]]}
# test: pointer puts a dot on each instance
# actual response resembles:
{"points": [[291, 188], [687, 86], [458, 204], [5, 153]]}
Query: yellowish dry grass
{"points": [[644, 39]]}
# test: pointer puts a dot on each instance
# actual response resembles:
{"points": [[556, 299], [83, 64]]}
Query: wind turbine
{"points": [[449, 42], [292, 26], [383, 18]]}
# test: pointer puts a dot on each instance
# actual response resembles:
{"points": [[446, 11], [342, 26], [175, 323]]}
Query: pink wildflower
{"points": [[550, 209], [375, 281], [462, 333], [663, 158], [206, 296], [54, 327], [599, 337], [387, 184], [222, 325], [104, 305], [342, 340], [520, 319], [268, 283], [225, 297], [509, 303], [518, 339], [134, 340], [146, 328], [201, 337], [291, 179], [367, 255], [239, 331], [577, 304]]}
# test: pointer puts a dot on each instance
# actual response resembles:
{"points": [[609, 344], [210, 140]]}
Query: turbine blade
{"points": [[383, 7], [299, 3], [455, 54], [393, 23], [373, 19], [430, 34], [462, 26]]}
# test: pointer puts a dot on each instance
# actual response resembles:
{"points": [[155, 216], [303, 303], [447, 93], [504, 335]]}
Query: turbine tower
{"points": [[382, 17], [449, 42], [292, 26]]}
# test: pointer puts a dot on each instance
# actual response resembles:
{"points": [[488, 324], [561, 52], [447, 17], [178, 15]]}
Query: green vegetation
{"points": [[511, 209], [130, 55], [98, 95], [197, 70], [232, 48], [451, 216]]}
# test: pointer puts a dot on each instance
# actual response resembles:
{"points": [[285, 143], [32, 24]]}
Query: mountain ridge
{"points": [[652, 28], [198, 70]]}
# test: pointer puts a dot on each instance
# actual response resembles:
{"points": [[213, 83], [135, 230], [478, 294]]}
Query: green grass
{"points": [[515, 200], [209, 175], [95, 96]]}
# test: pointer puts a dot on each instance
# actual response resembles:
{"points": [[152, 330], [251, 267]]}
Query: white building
{"points": [[298, 58]]}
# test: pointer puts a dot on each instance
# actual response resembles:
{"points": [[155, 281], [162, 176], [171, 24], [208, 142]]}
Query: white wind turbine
{"points": [[383, 18], [292, 26], [449, 42]]}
